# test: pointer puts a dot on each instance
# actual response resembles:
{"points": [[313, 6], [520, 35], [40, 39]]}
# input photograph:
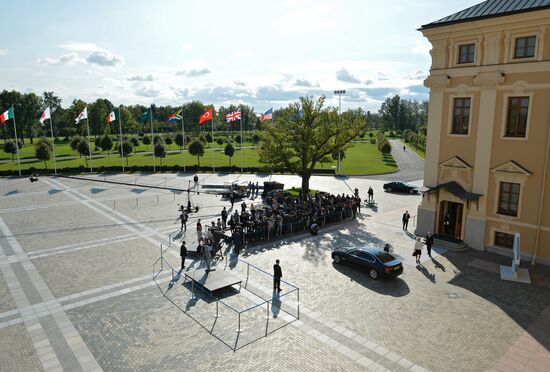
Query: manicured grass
{"points": [[295, 192], [419, 150], [361, 159]]}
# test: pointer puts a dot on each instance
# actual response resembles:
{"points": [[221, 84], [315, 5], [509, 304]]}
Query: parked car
{"points": [[373, 260], [276, 194], [399, 186]]}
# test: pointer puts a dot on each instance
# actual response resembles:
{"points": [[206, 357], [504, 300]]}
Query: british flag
{"points": [[232, 116]]}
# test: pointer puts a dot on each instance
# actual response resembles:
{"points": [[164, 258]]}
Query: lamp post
{"points": [[339, 92]]}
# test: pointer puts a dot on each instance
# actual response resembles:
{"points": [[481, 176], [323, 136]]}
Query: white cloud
{"points": [[147, 91], [193, 72], [105, 58], [65, 59], [81, 47], [139, 77], [344, 75], [305, 83], [242, 53], [3, 52]]}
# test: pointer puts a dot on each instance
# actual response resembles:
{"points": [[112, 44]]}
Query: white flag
{"points": [[45, 115], [111, 117], [83, 115]]}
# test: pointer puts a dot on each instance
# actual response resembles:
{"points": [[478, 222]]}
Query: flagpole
{"points": [[213, 153], [89, 143], [152, 138], [183, 134], [120, 126], [53, 144], [16, 142], [241, 142]]}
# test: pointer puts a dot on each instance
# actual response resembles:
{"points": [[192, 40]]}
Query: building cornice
{"points": [[437, 82], [489, 80]]}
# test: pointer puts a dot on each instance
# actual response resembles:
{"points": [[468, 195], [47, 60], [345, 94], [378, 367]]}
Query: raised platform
{"points": [[213, 280]]}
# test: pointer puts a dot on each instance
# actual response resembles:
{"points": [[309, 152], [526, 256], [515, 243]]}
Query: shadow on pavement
{"points": [[395, 287]]}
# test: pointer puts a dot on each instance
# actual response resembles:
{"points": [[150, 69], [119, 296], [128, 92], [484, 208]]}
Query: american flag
{"points": [[232, 116], [267, 116]]}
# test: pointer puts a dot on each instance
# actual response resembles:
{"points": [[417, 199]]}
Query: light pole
{"points": [[339, 92]]}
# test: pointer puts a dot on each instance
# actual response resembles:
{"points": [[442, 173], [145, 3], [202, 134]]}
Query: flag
{"points": [[45, 115], [232, 116], [83, 115], [206, 116], [267, 116], [7, 115], [111, 117], [146, 116], [175, 117]]}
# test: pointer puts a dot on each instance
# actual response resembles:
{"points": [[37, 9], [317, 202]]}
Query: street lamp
{"points": [[339, 92]]}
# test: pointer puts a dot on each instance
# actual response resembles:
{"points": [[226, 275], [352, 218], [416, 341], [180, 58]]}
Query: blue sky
{"points": [[262, 53]]}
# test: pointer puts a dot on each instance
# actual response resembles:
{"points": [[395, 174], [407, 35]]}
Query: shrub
{"points": [[219, 141], [179, 140], [10, 148], [255, 138], [209, 138], [134, 140], [160, 151], [146, 141], [229, 151], [74, 143], [43, 150], [197, 149], [238, 138], [371, 134], [106, 143]]}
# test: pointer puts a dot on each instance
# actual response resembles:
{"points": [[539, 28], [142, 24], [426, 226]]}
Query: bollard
{"points": [[114, 205], [174, 194], [239, 330], [217, 314], [137, 203], [165, 183], [157, 199]]}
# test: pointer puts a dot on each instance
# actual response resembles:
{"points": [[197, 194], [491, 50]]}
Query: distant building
{"points": [[487, 158]]}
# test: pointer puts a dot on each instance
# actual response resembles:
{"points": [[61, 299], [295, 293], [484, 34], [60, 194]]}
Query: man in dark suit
{"points": [[277, 275], [429, 243], [405, 219], [183, 254]]}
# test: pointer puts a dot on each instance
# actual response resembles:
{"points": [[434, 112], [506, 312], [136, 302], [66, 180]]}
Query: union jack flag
{"points": [[232, 116]]}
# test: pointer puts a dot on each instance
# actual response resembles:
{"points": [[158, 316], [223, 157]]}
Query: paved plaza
{"points": [[76, 290]]}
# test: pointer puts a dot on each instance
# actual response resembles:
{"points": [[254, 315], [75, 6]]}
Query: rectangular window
{"points": [[504, 240], [525, 47], [461, 115], [466, 53], [518, 108], [508, 200]]}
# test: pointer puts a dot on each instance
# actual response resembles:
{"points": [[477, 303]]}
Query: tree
{"points": [[342, 156], [160, 151], [219, 141], [106, 143], [43, 150], [385, 148], [208, 138], [179, 140], [83, 149], [301, 142], [168, 140], [197, 149], [229, 151], [238, 139], [146, 141], [75, 141], [134, 140], [126, 147], [255, 138], [202, 138], [9, 147]]}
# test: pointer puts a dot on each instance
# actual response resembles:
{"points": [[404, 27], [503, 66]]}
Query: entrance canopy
{"points": [[455, 189]]}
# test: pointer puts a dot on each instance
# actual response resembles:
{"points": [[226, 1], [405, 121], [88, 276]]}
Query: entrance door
{"points": [[450, 219]]}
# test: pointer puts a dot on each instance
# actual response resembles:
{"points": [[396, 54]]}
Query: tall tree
{"points": [[300, 142]]}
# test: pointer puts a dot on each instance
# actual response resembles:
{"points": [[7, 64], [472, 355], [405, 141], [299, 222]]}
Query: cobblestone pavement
{"points": [[76, 291]]}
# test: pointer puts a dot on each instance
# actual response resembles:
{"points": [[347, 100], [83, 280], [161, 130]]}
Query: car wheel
{"points": [[412, 191], [388, 189], [337, 258], [373, 274]]}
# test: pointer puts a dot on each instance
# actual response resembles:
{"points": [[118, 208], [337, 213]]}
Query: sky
{"points": [[262, 53]]}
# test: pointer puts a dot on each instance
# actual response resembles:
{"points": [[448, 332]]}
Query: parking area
{"points": [[77, 291]]}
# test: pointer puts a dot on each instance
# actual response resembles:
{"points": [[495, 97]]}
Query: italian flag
{"points": [[7, 115], [111, 117]]}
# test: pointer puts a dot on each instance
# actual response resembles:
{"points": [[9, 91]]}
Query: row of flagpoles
{"points": [[148, 115]]}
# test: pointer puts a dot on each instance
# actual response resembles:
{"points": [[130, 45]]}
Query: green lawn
{"points": [[361, 159]]}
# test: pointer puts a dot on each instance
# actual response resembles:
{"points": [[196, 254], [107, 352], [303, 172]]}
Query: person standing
{"points": [[183, 254], [418, 250], [371, 194], [183, 218], [277, 275], [232, 199], [196, 180], [429, 243], [224, 217], [199, 229], [405, 219], [207, 255], [243, 207]]}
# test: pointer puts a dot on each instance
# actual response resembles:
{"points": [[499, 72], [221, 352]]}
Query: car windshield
{"points": [[385, 257]]}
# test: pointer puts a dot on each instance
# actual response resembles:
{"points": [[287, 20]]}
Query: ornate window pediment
{"points": [[457, 170], [455, 162], [511, 168]]}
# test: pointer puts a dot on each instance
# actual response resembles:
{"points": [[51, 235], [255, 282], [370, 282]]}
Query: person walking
{"points": [[243, 207], [183, 254], [224, 217], [232, 199], [196, 180], [418, 245], [183, 219], [277, 275], [429, 243], [257, 188], [371, 194], [405, 219], [199, 229]]}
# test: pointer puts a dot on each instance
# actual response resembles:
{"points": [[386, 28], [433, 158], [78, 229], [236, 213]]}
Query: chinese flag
{"points": [[206, 116]]}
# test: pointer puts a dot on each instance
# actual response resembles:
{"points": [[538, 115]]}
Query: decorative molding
{"points": [[489, 80], [437, 82], [512, 168], [455, 162]]}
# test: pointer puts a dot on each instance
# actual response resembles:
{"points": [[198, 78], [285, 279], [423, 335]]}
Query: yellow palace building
{"points": [[487, 159]]}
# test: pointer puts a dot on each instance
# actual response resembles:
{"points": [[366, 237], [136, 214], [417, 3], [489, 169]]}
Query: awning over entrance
{"points": [[455, 189]]}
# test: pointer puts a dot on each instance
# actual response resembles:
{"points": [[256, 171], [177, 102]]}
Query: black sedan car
{"points": [[372, 259], [399, 186]]}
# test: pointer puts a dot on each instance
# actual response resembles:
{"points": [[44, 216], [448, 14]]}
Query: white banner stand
{"points": [[514, 273]]}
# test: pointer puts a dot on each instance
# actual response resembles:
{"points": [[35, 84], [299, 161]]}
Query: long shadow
{"points": [[137, 191], [96, 190], [522, 303], [426, 273], [395, 287], [12, 192], [54, 191]]}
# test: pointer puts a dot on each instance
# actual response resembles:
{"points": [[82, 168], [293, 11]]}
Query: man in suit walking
{"points": [[405, 219], [183, 254], [429, 243], [277, 275]]}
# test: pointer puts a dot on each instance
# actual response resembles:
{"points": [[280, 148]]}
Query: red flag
{"points": [[206, 116]]}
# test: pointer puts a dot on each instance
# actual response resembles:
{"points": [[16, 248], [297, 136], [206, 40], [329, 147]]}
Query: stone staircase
{"points": [[451, 245]]}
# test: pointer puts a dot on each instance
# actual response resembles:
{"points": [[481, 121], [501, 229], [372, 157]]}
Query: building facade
{"points": [[488, 138]]}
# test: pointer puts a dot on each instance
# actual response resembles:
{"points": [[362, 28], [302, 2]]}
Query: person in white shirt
{"points": [[418, 245]]}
